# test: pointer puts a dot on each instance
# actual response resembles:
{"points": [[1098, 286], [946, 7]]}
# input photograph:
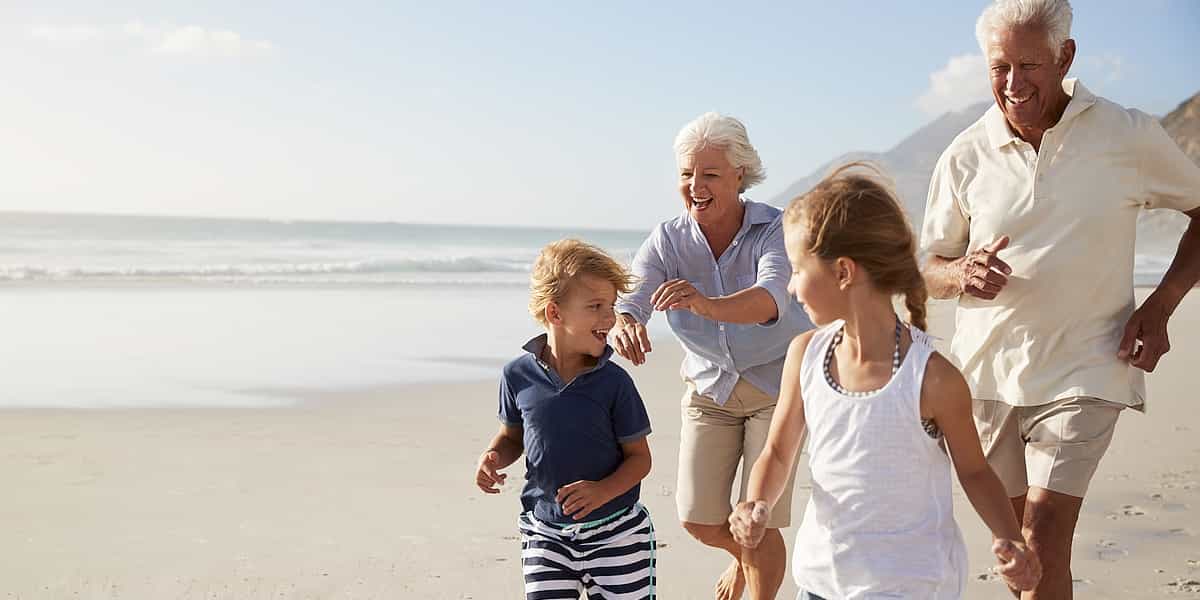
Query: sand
{"points": [[368, 493]]}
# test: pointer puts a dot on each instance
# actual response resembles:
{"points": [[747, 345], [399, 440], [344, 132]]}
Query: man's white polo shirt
{"points": [[1070, 211]]}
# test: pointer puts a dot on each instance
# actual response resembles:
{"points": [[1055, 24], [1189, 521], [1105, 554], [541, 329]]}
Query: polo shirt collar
{"points": [[1000, 134], [536, 345]]}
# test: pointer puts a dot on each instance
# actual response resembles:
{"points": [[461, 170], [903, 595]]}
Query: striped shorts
{"points": [[608, 559]]}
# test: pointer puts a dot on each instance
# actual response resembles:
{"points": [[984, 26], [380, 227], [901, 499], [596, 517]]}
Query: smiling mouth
{"points": [[1014, 101], [600, 334], [701, 203]]}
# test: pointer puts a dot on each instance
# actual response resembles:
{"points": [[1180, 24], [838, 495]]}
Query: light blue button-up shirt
{"points": [[717, 354]]}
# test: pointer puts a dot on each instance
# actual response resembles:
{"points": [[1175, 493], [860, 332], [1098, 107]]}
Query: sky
{"points": [[524, 113]]}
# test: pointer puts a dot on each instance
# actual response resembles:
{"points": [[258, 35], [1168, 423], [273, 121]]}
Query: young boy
{"points": [[581, 424]]}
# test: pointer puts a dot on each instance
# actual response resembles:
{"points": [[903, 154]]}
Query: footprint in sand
{"points": [[1109, 550], [1129, 510]]}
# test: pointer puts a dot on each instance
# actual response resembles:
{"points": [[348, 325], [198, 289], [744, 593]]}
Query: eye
{"points": [[685, 174], [1030, 66]]}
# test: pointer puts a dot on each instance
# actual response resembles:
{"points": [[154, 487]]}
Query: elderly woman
{"points": [[720, 272]]}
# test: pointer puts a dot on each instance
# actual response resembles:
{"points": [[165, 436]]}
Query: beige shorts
{"points": [[713, 441], [1055, 446]]}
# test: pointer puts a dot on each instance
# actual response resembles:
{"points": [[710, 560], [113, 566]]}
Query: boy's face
{"points": [[586, 315]]}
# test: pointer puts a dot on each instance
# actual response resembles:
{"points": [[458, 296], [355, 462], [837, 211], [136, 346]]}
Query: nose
{"points": [[610, 319], [1016, 80]]}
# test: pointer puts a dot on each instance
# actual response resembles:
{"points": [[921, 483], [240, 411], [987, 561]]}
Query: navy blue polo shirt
{"points": [[572, 432]]}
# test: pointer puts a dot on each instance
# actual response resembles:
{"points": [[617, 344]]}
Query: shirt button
{"points": [[735, 242], [721, 327]]}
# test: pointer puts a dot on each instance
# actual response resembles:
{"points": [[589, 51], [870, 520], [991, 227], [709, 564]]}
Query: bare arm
{"points": [[580, 498], [948, 399], [1149, 323], [506, 447], [980, 273], [748, 306], [770, 473]]}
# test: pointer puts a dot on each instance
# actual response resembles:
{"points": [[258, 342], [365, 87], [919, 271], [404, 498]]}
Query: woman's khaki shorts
{"points": [[1055, 446], [714, 439]]}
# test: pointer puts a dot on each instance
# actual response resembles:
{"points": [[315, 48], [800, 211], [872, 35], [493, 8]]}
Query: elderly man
{"points": [[1030, 223]]}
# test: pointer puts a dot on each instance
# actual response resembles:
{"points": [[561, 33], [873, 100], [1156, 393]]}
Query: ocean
{"points": [[103, 311]]}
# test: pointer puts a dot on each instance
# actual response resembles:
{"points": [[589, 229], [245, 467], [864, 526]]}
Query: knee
{"points": [[709, 535], [1049, 533]]}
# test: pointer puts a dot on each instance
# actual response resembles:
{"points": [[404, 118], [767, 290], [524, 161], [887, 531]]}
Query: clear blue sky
{"points": [[556, 113]]}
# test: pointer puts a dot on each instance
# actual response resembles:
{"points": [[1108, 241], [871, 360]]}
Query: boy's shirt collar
{"points": [[536, 345]]}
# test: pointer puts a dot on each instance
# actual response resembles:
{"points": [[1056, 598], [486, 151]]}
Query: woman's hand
{"points": [[630, 339], [679, 294], [748, 523]]}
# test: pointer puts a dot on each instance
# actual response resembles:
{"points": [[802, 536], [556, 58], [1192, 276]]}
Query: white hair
{"points": [[729, 134], [1053, 16]]}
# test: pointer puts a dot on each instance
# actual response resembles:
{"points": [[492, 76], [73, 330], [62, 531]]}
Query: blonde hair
{"points": [[557, 266], [855, 215]]}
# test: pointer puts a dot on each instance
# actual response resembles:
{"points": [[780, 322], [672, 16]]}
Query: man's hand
{"points": [[1145, 339], [630, 339], [1019, 566], [981, 274], [487, 476], [579, 499]]}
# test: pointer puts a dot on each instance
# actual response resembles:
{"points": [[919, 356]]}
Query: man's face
{"points": [[1026, 79]]}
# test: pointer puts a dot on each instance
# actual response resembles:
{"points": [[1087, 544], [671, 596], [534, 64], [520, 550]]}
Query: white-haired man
{"points": [[1031, 222]]}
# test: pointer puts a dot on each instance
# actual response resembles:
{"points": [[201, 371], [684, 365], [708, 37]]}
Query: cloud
{"points": [[188, 40], [959, 84], [1106, 68]]}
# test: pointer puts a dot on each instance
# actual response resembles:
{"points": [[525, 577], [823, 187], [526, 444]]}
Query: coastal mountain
{"points": [[910, 164]]}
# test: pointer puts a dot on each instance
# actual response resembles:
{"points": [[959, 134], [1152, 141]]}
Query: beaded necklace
{"points": [[930, 427], [833, 344]]}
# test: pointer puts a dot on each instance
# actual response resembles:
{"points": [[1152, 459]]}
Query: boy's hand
{"points": [[748, 523], [579, 499], [486, 476], [1019, 566]]}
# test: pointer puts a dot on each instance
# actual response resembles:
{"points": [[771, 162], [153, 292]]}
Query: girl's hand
{"points": [[579, 499], [1019, 566], [487, 477], [748, 522]]}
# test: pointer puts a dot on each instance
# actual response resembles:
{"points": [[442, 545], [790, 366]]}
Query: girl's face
{"points": [[814, 281]]}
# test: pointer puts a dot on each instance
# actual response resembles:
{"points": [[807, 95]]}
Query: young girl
{"points": [[881, 407]]}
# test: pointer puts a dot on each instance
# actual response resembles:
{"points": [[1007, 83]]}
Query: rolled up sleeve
{"points": [[650, 270], [774, 270]]}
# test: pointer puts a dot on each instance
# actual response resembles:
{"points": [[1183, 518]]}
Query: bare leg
{"points": [[1048, 523], [733, 581], [765, 566]]}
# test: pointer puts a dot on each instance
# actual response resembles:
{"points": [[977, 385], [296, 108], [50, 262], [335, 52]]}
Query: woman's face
{"points": [[709, 186]]}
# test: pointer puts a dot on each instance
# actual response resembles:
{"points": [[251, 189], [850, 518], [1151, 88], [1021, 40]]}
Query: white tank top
{"points": [[880, 521]]}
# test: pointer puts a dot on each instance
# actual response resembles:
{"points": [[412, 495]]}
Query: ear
{"points": [[1066, 56], [846, 270], [553, 313]]}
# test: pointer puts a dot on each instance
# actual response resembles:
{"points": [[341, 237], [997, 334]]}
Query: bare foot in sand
{"points": [[731, 583]]}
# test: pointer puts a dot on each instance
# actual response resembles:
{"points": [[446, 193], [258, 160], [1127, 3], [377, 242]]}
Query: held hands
{"points": [[579, 499], [983, 275], [748, 522], [487, 476], [630, 339], [1019, 566]]}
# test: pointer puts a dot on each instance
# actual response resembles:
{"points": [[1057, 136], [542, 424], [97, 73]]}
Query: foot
{"points": [[732, 582]]}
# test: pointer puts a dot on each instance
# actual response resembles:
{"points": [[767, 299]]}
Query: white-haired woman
{"points": [[720, 272]]}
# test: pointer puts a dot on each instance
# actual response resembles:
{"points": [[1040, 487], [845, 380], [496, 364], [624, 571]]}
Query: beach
{"points": [[367, 492]]}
